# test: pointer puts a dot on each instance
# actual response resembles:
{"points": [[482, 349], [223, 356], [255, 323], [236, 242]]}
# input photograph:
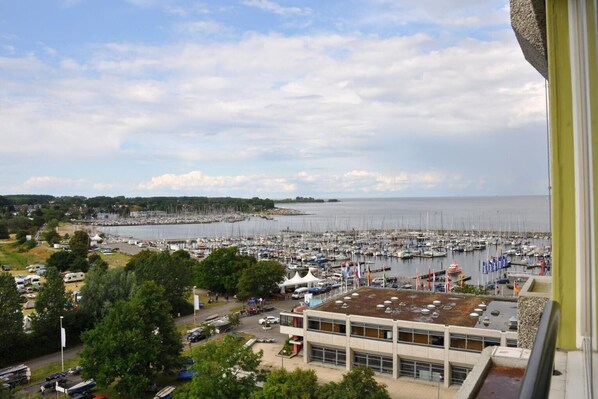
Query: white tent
{"points": [[296, 280], [310, 279]]}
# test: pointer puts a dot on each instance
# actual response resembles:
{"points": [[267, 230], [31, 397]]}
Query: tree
{"points": [[51, 236], [51, 303], [281, 384], [134, 342], [103, 288], [221, 270], [358, 383], [79, 243], [61, 260], [225, 369], [3, 232], [11, 316], [260, 279], [174, 273], [21, 236]]}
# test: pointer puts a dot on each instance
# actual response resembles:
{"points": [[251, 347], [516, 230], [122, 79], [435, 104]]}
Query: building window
{"points": [[327, 325], [380, 364], [472, 343], [371, 331], [421, 337], [421, 370], [291, 321], [337, 357], [459, 374], [511, 343]]}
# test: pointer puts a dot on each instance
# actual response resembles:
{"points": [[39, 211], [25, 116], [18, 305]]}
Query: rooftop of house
{"points": [[427, 307]]}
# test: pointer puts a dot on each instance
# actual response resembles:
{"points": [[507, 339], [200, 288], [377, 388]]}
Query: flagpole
{"points": [[62, 339]]}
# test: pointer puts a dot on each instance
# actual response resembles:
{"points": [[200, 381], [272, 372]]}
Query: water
{"points": [[522, 214], [525, 214]]}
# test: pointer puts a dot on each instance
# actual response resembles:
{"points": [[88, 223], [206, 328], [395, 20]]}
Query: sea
{"points": [[515, 215]]}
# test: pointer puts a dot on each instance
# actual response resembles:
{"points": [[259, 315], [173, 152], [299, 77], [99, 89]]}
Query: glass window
{"points": [[378, 363], [328, 355], [459, 374], [421, 370]]}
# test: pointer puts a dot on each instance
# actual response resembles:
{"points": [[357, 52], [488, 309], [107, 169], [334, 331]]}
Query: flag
{"points": [[63, 337], [484, 267], [505, 263], [417, 280], [433, 281], [429, 280], [359, 271], [196, 302]]}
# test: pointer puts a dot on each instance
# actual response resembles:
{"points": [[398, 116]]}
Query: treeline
{"points": [[304, 199], [28, 212]]}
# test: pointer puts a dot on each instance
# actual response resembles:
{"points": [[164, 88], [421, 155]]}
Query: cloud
{"points": [[196, 180], [52, 181], [273, 7]]}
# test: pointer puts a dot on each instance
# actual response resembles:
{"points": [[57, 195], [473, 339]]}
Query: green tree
{"points": [[11, 316], [3, 232], [260, 279], [22, 236], [281, 384], [103, 288], [51, 303], [225, 369], [359, 383], [136, 341], [51, 236], [61, 260], [79, 244], [222, 269], [174, 273]]}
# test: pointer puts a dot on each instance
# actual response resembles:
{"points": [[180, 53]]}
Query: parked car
{"points": [[269, 320], [50, 385], [502, 281], [56, 376], [75, 370], [490, 286], [186, 375], [196, 336], [315, 290], [5, 268]]}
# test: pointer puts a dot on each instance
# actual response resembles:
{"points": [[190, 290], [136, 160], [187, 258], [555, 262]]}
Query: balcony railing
{"points": [[536, 380]]}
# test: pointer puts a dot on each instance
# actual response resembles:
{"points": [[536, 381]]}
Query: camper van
{"points": [[299, 293], [72, 277]]}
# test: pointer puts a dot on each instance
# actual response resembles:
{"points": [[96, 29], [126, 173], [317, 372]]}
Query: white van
{"points": [[33, 279], [300, 293], [72, 277]]}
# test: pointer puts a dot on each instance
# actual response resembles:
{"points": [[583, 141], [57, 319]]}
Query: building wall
{"points": [[436, 354]]}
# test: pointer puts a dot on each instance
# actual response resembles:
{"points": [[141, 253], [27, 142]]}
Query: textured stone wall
{"points": [[529, 311]]}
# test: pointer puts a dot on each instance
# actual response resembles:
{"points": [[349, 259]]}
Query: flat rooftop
{"points": [[453, 309]]}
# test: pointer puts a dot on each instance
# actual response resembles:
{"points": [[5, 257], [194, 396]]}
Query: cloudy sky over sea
{"points": [[268, 98]]}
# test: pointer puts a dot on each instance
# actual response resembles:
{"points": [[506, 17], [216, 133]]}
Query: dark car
{"points": [[490, 286], [52, 383], [84, 395], [56, 376], [502, 281], [196, 336], [6, 268]]}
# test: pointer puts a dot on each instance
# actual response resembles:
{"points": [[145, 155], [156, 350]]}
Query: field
{"points": [[10, 255]]}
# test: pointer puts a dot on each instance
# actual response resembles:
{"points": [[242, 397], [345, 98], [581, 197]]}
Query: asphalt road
{"points": [[249, 324]]}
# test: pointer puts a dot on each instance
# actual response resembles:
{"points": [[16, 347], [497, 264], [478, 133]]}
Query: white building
{"points": [[405, 334]]}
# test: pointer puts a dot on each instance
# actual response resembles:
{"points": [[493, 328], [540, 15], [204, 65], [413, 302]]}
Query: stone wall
{"points": [[532, 299]]}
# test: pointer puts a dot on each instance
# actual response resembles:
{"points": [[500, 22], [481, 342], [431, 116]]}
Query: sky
{"points": [[268, 98]]}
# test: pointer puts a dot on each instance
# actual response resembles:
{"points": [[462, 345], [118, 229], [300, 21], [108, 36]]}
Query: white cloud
{"points": [[273, 7], [196, 180], [52, 181]]}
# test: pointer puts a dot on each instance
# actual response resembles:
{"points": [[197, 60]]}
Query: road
{"points": [[248, 325]]}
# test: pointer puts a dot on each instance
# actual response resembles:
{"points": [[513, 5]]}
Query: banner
{"points": [[63, 337], [196, 302]]}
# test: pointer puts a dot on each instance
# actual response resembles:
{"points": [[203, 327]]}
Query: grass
{"points": [[116, 259], [10, 255], [42, 373]]}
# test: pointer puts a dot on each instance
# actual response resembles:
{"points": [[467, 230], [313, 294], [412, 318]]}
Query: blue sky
{"points": [[332, 99]]}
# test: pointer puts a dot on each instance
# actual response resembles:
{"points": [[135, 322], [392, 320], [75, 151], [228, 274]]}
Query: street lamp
{"points": [[440, 379], [195, 306]]}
